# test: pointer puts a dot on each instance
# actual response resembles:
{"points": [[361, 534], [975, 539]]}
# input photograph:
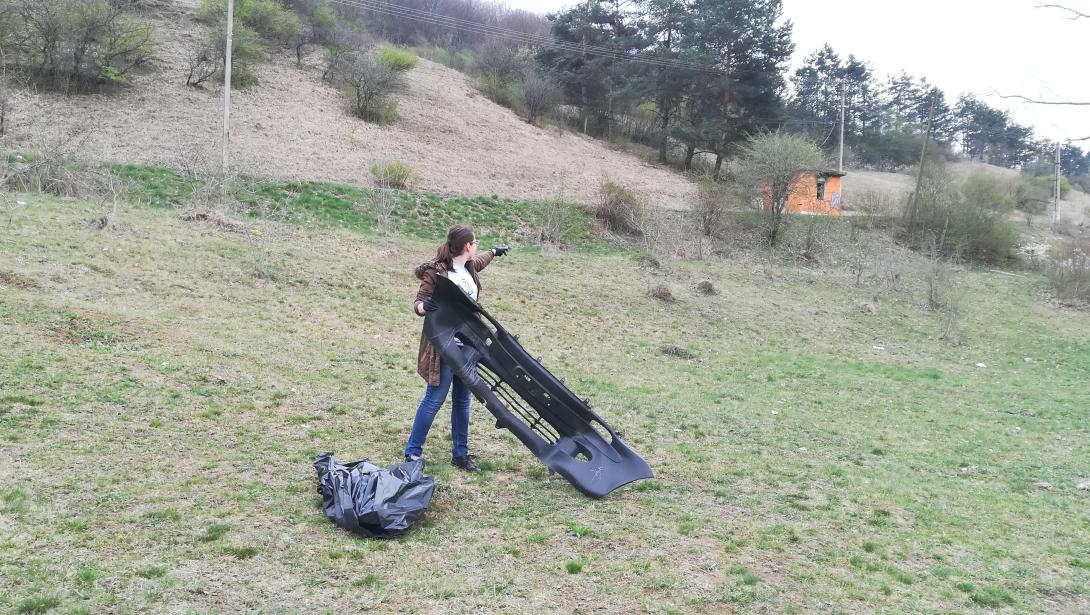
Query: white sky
{"points": [[963, 46]]}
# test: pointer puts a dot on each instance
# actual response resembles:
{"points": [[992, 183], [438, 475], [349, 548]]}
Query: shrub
{"points": [[368, 84], [672, 350], [980, 226], [269, 18], [619, 208], [969, 219], [1068, 271], [394, 175], [710, 206], [662, 293], [460, 61], [706, 288], [397, 59], [539, 95], [504, 92], [500, 59], [207, 60], [77, 45], [552, 222], [1031, 195], [246, 52], [274, 22]]}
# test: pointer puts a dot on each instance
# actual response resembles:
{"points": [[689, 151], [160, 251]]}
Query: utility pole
{"points": [[923, 161], [227, 92], [1056, 192], [840, 165]]}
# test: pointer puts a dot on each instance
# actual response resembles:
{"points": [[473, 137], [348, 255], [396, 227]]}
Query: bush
{"points": [[397, 59], [460, 61], [552, 222], [274, 22], [970, 219], [1034, 194], [711, 203], [269, 18], [77, 45], [539, 95], [662, 293], [1068, 271], [368, 85], [501, 60], [1031, 196], [504, 92], [394, 175], [619, 208]]}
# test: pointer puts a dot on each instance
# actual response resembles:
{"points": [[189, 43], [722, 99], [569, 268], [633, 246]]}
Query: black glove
{"points": [[430, 305], [500, 250]]}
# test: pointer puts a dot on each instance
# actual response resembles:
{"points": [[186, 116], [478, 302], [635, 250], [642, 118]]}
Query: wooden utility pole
{"points": [[227, 92], [1056, 192], [923, 161], [840, 165]]}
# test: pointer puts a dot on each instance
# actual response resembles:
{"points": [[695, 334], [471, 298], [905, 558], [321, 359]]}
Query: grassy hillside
{"points": [[166, 385], [294, 126]]}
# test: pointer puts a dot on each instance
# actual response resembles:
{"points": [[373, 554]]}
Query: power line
{"points": [[520, 37]]}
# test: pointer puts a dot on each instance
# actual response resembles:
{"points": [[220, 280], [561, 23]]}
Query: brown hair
{"points": [[458, 237]]}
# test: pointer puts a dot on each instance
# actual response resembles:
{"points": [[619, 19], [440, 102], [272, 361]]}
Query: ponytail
{"points": [[457, 238]]}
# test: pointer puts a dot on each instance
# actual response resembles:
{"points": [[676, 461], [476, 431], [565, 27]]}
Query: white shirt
{"points": [[461, 276]]}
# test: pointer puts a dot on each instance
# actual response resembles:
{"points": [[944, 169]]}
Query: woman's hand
{"points": [[426, 306]]}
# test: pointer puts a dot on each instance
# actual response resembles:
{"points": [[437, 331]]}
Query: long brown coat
{"points": [[427, 359]]}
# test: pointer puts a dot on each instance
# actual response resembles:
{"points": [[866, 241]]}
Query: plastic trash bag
{"points": [[372, 501]]}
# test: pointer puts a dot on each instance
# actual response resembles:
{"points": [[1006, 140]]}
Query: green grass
{"points": [[425, 215], [38, 604], [162, 402]]}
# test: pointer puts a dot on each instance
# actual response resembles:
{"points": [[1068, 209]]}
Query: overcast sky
{"points": [[982, 47]]}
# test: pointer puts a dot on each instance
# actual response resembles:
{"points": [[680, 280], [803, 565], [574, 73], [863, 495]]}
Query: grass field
{"points": [[165, 386]]}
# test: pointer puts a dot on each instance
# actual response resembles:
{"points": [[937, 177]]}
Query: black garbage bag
{"points": [[373, 501]]}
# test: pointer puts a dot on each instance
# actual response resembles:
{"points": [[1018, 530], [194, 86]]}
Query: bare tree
{"points": [[771, 168], [540, 95], [1075, 14], [344, 43], [204, 62], [383, 203], [111, 188], [710, 207]]}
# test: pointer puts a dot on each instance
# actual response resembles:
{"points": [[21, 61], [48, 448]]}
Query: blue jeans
{"points": [[429, 407]]}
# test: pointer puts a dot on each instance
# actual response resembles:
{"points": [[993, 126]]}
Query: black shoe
{"points": [[414, 458], [465, 463]]}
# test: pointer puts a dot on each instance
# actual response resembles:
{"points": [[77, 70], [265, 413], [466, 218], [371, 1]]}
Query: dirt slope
{"points": [[295, 126]]}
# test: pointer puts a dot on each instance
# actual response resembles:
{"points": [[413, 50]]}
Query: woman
{"points": [[458, 261]]}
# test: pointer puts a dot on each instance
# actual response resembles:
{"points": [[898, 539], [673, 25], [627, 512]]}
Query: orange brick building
{"points": [[817, 193]]}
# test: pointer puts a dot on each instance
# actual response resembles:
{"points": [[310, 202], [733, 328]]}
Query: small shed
{"points": [[814, 193]]}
